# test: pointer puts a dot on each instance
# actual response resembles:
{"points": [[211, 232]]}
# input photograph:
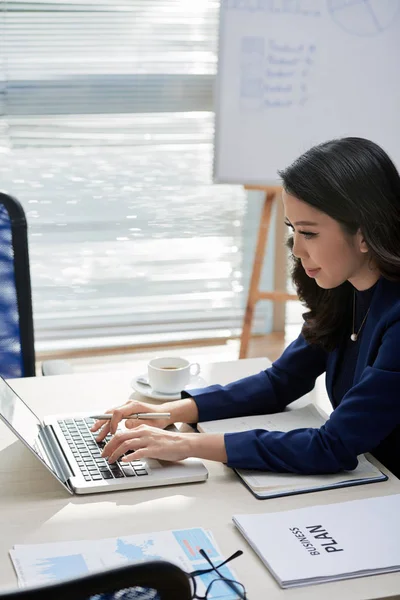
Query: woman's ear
{"points": [[361, 243]]}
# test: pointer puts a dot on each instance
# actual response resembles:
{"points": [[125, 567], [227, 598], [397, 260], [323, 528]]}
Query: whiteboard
{"points": [[293, 73]]}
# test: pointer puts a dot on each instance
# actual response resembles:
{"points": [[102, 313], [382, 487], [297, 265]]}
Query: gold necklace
{"points": [[354, 335]]}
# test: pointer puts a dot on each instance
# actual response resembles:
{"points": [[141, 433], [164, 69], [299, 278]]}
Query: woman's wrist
{"points": [[210, 446], [182, 411]]}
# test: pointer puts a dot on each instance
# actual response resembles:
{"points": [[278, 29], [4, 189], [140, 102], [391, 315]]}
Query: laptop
{"points": [[65, 445]]}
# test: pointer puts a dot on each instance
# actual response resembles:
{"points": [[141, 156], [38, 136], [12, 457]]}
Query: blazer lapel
{"points": [[375, 314], [331, 367], [377, 309]]}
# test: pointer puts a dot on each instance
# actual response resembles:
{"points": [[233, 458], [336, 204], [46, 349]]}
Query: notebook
{"points": [[269, 485], [325, 543], [67, 448]]}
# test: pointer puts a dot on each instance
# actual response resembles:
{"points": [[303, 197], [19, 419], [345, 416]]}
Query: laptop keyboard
{"points": [[87, 453]]}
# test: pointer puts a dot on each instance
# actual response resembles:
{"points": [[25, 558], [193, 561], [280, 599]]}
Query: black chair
{"points": [[152, 580], [17, 350]]}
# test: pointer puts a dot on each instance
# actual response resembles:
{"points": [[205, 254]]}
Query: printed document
{"points": [[46, 563], [326, 543]]}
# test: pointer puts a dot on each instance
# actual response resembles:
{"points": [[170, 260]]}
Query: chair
{"points": [[152, 580], [17, 351]]}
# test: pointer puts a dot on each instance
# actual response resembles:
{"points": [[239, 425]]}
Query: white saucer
{"points": [[145, 390]]}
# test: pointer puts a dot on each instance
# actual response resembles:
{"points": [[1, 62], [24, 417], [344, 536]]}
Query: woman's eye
{"points": [[307, 234]]}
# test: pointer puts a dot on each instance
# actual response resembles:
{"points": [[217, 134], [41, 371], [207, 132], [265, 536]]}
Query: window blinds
{"points": [[106, 139]]}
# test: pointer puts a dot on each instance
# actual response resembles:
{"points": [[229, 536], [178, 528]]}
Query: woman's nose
{"points": [[298, 249]]}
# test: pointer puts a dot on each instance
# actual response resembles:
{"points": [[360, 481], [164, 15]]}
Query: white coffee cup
{"points": [[171, 374]]}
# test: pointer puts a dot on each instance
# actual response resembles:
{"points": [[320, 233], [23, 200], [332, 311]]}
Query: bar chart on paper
{"points": [[63, 561], [43, 564], [60, 567], [46, 563]]}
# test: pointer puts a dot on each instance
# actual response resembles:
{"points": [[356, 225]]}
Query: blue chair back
{"points": [[17, 353]]}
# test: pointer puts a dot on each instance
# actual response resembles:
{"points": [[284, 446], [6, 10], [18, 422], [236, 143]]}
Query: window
{"points": [[106, 139]]}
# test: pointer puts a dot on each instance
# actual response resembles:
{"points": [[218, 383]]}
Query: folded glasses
{"points": [[217, 587]]}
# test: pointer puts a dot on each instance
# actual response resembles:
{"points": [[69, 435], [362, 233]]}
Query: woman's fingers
{"points": [[148, 442], [121, 443], [111, 426], [117, 416], [131, 444], [99, 424], [103, 432], [138, 455], [104, 427], [120, 413], [135, 423]]}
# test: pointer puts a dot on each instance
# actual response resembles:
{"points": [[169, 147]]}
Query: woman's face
{"points": [[327, 253]]}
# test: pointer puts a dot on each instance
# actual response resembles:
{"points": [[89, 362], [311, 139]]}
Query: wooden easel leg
{"points": [[252, 297]]}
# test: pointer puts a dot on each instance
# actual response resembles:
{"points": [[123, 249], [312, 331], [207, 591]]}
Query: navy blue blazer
{"points": [[366, 420]]}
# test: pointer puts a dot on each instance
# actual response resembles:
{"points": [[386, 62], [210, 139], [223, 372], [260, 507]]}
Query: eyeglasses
{"points": [[217, 587]]}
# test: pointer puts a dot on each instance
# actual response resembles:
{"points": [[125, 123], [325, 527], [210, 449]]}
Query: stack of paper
{"points": [[270, 485], [327, 543], [46, 563]]}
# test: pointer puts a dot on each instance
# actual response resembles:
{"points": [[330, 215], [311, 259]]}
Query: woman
{"points": [[342, 203]]}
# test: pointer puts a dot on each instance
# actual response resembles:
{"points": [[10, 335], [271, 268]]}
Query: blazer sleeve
{"points": [[366, 415], [289, 378]]}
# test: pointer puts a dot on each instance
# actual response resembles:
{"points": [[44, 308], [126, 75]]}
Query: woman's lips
{"points": [[312, 272]]}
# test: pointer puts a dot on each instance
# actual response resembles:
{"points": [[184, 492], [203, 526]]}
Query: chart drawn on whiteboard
{"points": [[274, 74], [364, 17]]}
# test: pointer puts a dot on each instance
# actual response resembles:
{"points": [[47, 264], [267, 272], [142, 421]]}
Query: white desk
{"points": [[35, 508]]}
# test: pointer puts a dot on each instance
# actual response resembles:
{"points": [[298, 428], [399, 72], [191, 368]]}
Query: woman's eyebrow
{"points": [[312, 223]]}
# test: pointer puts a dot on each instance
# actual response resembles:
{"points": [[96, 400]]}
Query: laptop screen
{"points": [[22, 421]]}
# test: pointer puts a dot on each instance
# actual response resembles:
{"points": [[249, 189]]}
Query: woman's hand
{"points": [[148, 442], [182, 411], [121, 412]]}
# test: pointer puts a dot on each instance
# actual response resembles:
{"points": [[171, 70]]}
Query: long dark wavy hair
{"points": [[355, 182]]}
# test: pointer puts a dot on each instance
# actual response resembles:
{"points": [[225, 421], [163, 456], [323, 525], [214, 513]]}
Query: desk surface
{"points": [[35, 508]]}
